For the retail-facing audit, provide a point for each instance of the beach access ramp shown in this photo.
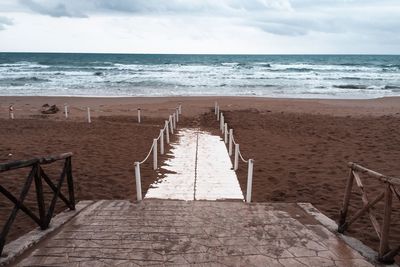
(188, 233)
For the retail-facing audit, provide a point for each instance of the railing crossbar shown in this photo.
(37, 173)
(54, 188)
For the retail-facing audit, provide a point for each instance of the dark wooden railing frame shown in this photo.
(385, 254)
(37, 174)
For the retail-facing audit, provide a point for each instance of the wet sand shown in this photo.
(300, 146)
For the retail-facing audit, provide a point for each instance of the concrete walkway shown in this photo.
(192, 233)
(199, 169)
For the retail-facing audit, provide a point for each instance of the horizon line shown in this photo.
(205, 54)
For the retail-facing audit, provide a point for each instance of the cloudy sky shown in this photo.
(201, 26)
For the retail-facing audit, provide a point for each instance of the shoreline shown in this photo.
(201, 96)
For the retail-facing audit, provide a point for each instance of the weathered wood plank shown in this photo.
(374, 174)
(365, 209)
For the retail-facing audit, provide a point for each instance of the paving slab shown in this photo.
(199, 169)
(192, 233)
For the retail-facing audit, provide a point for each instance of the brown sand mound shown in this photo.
(303, 158)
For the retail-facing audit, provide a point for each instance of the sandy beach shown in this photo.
(300, 146)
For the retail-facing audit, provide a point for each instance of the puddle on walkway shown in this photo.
(201, 170)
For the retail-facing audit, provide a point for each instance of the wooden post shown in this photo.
(384, 243)
(162, 141)
(236, 162)
(139, 120)
(217, 113)
(155, 154)
(346, 201)
(66, 111)
(230, 142)
(11, 112)
(39, 196)
(70, 183)
(226, 133)
(167, 132)
(249, 180)
(180, 108)
(177, 114)
(138, 182)
(171, 124)
(88, 115)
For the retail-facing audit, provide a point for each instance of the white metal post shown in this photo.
(226, 133)
(66, 110)
(180, 108)
(138, 182)
(11, 112)
(167, 132)
(171, 124)
(139, 119)
(177, 114)
(217, 113)
(174, 120)
(230, 141)
(88, 115)
(236, 162)
(162, 141)
(215, 107)
(222, 122)
(249, 180)
(155, 154)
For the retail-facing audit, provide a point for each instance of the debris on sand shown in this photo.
(47, 109)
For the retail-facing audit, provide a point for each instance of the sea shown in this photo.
(119, 75)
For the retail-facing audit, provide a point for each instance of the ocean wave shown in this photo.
(237, 65)
(20, 81)
(263, 64)
(350, 78)
(23, 65)
(396, 87)
(350, 86)
(397, 66)
(148, 83)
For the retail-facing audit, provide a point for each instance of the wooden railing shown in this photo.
(385, 253)
(37, 175)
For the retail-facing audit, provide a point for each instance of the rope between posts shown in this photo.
(148, 155)
(233, 140)
(240, 154)
(159, 136)
(152, 146)
(241, 157)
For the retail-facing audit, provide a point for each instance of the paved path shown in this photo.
(199, 169)
(196, 233)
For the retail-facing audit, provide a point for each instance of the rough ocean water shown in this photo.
(302, 76)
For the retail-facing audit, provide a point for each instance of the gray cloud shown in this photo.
(5, 22)
(53, 10)
(278, 17)
(74, 8)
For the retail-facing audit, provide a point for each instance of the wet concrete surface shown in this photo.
(193, 233)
